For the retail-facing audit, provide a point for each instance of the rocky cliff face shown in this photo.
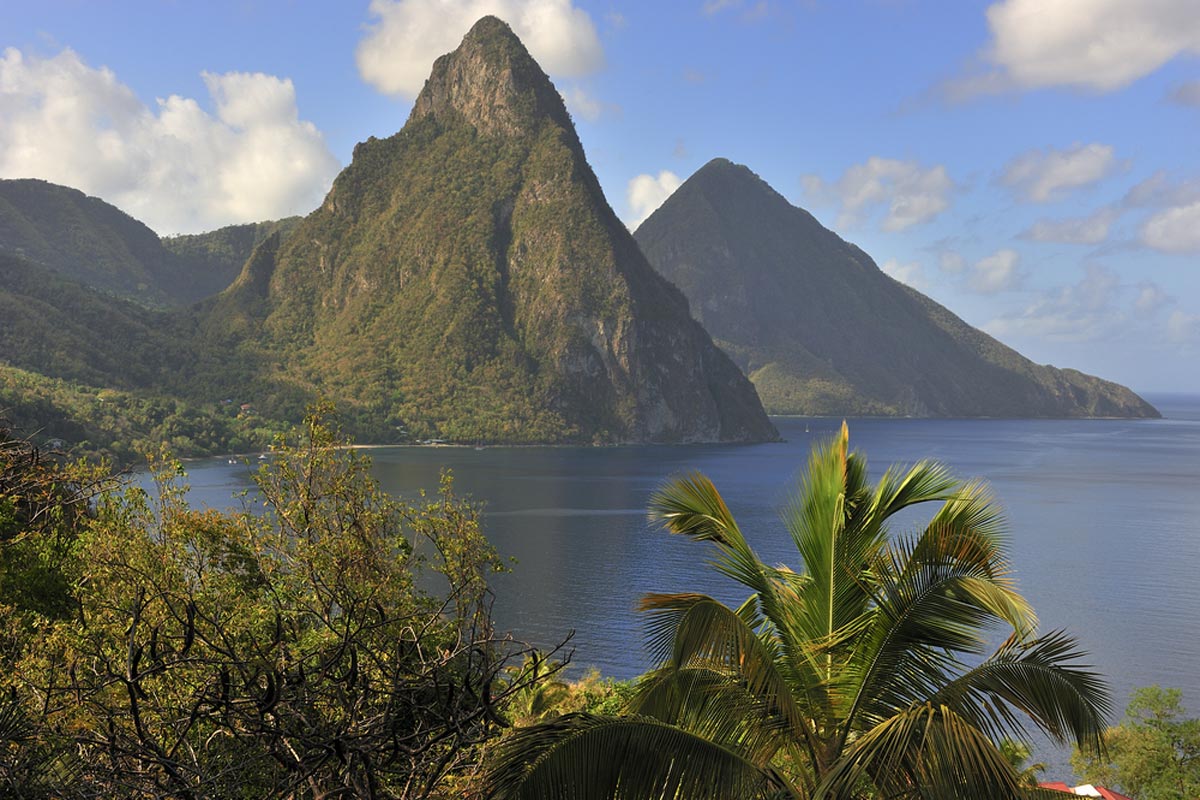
(821, 330)
(467, 280)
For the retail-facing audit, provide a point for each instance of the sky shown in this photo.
(1033, 165)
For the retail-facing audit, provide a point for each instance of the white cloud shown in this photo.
(1100, 45)
(1091, 229)
(913, 194)
(996, 273)
(175, 166)
(585, 106)
(1160, 191)
(1174, 230)
(406, 36)
(911, 273)
(647, 192)
(1174, 227)
(951, 261)
(1081, 312)
(1150, 298)
(1041, 176)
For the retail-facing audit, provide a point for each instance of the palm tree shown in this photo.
(1018, 754)
(867, 674)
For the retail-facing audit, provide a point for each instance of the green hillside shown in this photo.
(215, 258)
(467, 280)
(86, 240)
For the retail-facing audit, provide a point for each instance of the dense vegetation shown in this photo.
(214, 259)
(293, 650)
(86, 240)
(465, 279)
(1154, 754)
(870, 674)
(122, 427)
(820, 329)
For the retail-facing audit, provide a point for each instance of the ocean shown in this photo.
(1104, 526)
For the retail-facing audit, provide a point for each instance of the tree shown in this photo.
(867, 674)
(44, 501)
(1154, 754)
(292, 650)
(1018, 753)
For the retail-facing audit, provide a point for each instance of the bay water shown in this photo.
(1104, 526)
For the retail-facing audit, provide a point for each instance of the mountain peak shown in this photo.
(822, 330)
(720, 176)
(492, 82)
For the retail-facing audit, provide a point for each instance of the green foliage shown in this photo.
(868, 674)
(1018, 753)
(1153, 755)
(464, 280)
(121, 427)
(44, 502)
(212, 260)
(553, 698)
(88, 241)
(85, 239)
(293, 649)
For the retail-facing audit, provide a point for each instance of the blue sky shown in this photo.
(1031, 164)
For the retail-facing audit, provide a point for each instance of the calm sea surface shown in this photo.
(1104, 517)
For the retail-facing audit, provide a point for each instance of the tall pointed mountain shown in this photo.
(820, 329)
(466, 279)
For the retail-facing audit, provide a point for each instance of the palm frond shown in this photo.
(1041, 679)
(926, 751)
(694, 630)
(825, 523)
(709, 703)
(691, 506)
(924, 482)
(586, 757)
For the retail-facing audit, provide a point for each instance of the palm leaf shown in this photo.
(586, 757)
(926, 610)
(1044, 681)
(694, 630)
(827, 522)
(708, 703)
(899, 488)
(691, 506)
(926, 751)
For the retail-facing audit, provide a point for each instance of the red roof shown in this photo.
(1057, 786)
